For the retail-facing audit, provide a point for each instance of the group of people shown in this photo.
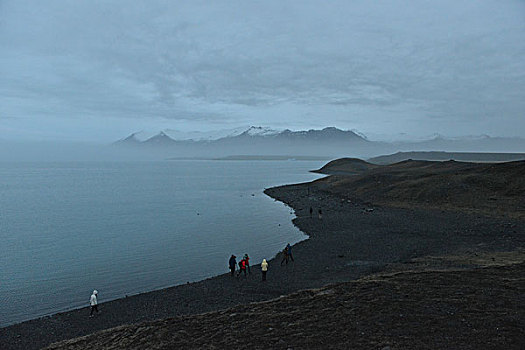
(244, 265)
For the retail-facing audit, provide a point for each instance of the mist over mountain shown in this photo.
(483, 143)
(330, 142)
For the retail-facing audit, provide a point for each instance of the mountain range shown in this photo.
(330, 142)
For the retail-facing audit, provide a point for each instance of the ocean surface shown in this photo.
(129, 227)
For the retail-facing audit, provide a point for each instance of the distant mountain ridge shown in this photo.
(254, 140)
(252, 131)
(177, 135)
(326, 142)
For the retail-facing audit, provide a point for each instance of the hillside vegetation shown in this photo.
(407, 310)
(481, 157)
(490, 188)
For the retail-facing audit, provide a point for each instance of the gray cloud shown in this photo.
(392, 66)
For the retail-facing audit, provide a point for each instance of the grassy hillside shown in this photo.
(491, 188)
(442, 156)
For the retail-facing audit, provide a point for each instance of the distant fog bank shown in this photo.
(67, 151)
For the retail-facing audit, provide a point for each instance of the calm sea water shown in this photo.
(125, 228)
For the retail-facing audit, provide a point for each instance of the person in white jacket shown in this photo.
(264, 269)
(93, 302)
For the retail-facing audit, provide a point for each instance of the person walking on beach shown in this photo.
(242, 267)
(320, 212)
(264, 269)
(289, 251)
(232, 264)
(247, 259)
(93, 302)
(285, 256)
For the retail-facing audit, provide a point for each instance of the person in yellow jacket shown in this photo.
(264, 268)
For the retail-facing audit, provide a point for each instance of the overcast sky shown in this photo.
(99, 70)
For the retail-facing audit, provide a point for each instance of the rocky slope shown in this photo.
(467, 309)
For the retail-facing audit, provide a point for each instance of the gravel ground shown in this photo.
(467, 309)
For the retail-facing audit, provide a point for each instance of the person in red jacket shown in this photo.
(247, 259)
(242, 267)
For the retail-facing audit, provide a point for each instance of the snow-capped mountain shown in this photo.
(203, 135)
(161, 139)
(251, 140)
(330, 142)
(260, 131)
(177, 135)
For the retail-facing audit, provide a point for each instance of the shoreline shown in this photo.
(187, 281)
(351, 241)
(16, 336)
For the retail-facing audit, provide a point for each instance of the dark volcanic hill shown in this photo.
(346, 166)
(491, 188)
(441, 156)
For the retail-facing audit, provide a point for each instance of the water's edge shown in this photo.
(194, 282)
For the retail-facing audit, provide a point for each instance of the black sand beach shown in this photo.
(352, 240)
